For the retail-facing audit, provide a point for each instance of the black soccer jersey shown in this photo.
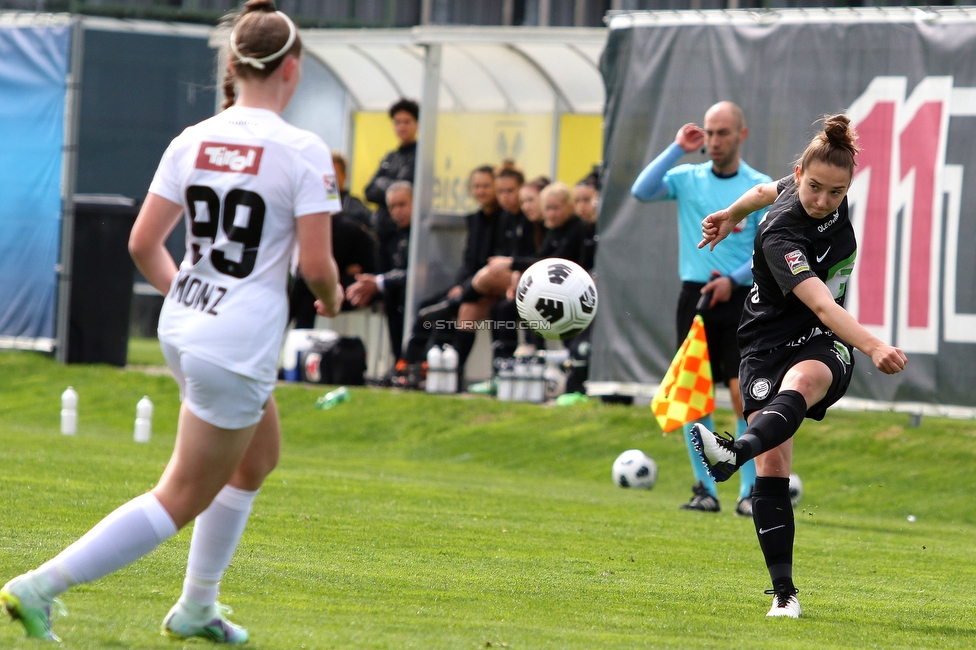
(790, 247)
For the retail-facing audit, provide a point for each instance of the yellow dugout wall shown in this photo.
(468, 140)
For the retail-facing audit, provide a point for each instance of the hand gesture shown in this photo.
(888, 359)
(720, 288)
(330, 310)
(690, 137)
(513, 285)
(361, 292)
(715, 228)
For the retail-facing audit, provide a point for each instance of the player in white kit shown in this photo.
(248, 185)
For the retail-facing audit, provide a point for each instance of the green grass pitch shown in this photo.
(405, 520)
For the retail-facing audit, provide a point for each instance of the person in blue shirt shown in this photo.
(701, 189)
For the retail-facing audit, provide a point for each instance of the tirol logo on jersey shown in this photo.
(236, 158)
(797, 262)
(331, 187)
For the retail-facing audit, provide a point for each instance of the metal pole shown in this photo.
(543, 13)
(69, 174)
(425, 11)
(508, 12)
(579, 13)
(423, 186)
(557, 117)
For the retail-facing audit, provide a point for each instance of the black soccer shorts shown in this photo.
(761, 373)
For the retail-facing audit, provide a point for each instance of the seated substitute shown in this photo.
(352, 207)
(390, 284)
(526, 233)
(564, 238)
(438, 316)
(354, 249)
(586, 198)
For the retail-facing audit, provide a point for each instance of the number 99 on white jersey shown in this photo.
(243, 177)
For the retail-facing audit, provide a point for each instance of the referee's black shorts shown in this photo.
(721, 327)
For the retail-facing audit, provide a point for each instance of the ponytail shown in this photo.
(260, 40)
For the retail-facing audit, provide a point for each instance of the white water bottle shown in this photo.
(449, 364)
(69, 412)
(504, 373)
(435, 370)
(521, 390)
(144, 413)
(537, 382)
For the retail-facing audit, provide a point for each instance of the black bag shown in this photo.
(342, 361)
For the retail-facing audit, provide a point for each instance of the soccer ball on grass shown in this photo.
(557, 298)
(634, 469)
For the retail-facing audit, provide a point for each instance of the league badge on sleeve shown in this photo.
(331, 187)
(797, 262)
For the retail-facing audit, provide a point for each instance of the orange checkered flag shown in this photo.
(686, 394)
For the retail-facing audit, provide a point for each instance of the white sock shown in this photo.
(131, 531)
(216, 533)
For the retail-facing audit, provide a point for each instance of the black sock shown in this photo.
(772, 513)
(772, 425)
(463, 342)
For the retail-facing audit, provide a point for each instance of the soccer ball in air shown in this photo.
(635, 469)
(556, 298)
(796, 489)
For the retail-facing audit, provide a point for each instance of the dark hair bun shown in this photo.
(258, 5)
(837, 129)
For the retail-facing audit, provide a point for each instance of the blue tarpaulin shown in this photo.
(33, 83)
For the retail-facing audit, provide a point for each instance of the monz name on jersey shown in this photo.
(194, 293)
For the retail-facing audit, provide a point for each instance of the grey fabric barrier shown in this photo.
(910, 87)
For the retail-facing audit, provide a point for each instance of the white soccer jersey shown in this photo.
(242, 176)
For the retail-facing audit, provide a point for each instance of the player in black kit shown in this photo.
(795, 337)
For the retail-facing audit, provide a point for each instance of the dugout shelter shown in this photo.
(534, 95)
(117, 91)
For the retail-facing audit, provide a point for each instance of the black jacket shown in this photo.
(352, 244)
(486, 238)
(519, 235)
(394, 253)
(588, 259)
(566, 242)
(353, 209)
(396, 166)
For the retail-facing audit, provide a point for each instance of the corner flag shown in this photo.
(686, 393)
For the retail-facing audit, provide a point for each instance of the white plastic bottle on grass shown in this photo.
(69, 412)
(537, 381)
(144, 413)
(520, 392)
(506, 378)
(449, 365)
(435, 373)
